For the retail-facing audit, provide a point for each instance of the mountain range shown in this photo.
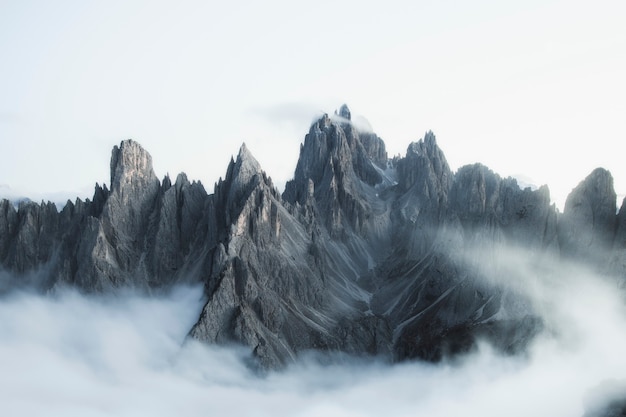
(397, 258)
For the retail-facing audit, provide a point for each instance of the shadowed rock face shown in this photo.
(588, 225)
(360, 254)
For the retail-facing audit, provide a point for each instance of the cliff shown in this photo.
(360, 254)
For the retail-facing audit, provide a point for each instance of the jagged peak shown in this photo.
(344, 112)
(100, 195)
(166, 183)
(427, 143)
(320, 124)
(476, 167)
(181, 179)
(588, 223)
(130, 160)
(601, 174)
(245, 156)
(424, 159)
(245, 167)
(429, 138)
(241, 171)
(182, 182)
(597, 186)
(600, 179)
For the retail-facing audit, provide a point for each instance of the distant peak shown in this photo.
(244, 152)
(601, 174)
(344, 112)
(429, 138)
(245, 157)
(598, 184)
(429, 142)
(129, 145)
(245, 167)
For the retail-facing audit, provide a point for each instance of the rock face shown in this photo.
(588, 225)
(137, 234)
(360, 254)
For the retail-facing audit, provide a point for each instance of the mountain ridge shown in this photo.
(361, 253)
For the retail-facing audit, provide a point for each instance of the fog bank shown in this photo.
(75, 355)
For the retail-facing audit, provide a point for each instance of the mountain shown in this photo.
(398, 258)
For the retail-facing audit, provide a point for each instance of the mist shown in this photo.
(126, 354)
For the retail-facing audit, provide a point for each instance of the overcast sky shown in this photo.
(533, 88)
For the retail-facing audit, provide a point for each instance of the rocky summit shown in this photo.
(362, 253)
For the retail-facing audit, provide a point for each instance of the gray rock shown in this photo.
(360, 254)
(344, 112)
(587, 227)
(135, 235)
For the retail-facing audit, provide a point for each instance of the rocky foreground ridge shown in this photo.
(361, 253)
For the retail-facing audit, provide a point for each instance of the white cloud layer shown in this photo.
(75, 355)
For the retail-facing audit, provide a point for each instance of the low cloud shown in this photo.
(73, 355)
(298, 115)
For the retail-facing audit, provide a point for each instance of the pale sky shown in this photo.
(532, 88)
